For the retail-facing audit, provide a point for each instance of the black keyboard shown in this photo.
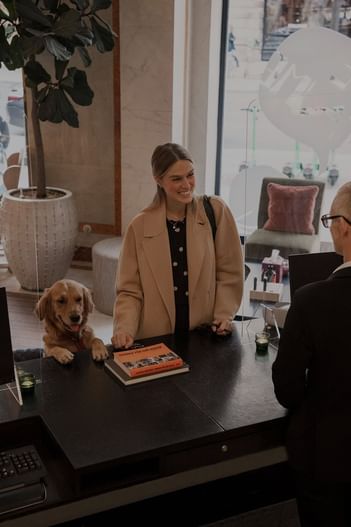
(20, 467)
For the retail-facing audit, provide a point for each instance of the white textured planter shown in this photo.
(39, 237)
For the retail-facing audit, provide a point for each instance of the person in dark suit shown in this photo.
(312, 378)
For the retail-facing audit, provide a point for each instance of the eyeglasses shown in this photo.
(326, 219)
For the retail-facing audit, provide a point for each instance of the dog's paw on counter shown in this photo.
(65, 307)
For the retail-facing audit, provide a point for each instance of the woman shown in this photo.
(171, 275)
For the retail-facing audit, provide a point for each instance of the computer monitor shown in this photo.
(7, 372)
(311, 267)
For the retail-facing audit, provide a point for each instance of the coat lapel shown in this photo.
(197, 239)
(158, 255)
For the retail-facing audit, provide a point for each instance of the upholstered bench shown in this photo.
(105, 258)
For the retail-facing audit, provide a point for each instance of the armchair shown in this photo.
(288, 218)
(11, 176)
(14, 159)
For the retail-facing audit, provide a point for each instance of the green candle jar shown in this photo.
(262, 341)
(27, 382)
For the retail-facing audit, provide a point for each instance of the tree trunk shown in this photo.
(39, 151)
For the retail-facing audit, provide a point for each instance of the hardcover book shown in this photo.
(145, 363)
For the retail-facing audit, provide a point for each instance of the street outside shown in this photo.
(254, 148)
(11, 84)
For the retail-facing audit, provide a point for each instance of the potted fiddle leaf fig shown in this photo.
(41, 37)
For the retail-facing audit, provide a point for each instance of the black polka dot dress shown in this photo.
(177, 242)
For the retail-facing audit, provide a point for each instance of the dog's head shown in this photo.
(65, 305)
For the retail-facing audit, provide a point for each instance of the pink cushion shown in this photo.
(291, 208)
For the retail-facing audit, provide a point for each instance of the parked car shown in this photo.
(15, 109)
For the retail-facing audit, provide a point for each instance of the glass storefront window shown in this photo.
(286, 131)
(12, 128)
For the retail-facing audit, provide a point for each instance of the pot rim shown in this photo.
(8, 195)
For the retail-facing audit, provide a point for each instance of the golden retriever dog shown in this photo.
(65, 307)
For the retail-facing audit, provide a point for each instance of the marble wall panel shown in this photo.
(90, 204)
(146, 13)
(198, 92)
(145, 127)
(146, 40)
(141, 186)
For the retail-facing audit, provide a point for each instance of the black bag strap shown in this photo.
(210, 214)
(212, 219)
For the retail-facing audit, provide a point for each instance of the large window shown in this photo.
(12, 125)
(286, 117)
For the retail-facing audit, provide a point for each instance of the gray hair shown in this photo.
(342, 200)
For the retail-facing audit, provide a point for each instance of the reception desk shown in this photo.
(105, 445)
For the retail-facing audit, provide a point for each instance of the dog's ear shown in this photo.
(43, 305)
(88, 301)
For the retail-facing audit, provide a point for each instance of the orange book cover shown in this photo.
(147, 360)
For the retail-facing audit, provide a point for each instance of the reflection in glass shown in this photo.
(12, 127)
(286, 117)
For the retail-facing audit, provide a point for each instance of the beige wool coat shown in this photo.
(145, 305)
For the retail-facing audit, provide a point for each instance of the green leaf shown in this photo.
(68, 112)
(4, 12)
(27, 10)
(84, 55)
(10, 54)
(49, 110)
(80, 92)
(32, 45)
(56, 108)
(62, 8)
(42, 93)
(81, 4)
(101, 4)
(8, 11)
(68, 24)
(3, 39)
(32, 31)
(60, 67)
(36, 73)
(57, 49)
(85, 37)
(67, 83)
(103, 37)
(51, 4)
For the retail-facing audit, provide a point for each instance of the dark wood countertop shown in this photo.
(172, 424)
